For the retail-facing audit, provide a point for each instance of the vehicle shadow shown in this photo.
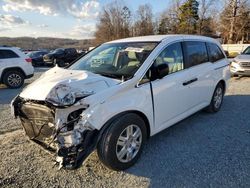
(204, 150)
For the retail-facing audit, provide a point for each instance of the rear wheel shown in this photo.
(13, 79)
(121, 144)
(217, 99)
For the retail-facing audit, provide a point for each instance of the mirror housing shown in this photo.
(159, 71)
(163, 70)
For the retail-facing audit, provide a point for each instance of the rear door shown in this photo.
(220, 62)
(8, 58)
(201, 82)
(2, 62)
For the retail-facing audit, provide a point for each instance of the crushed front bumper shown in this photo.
(40, 125)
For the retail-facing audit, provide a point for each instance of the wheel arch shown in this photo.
(223, 82)
(11, 69)
(139, 113)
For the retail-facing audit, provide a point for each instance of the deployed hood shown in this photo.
(76, 80)
(242, 58)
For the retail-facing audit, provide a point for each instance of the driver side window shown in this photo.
(171, 55)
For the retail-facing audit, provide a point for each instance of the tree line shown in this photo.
(29, 43)
(228, 20)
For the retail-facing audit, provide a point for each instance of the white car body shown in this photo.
(162, 102)
(15, 63)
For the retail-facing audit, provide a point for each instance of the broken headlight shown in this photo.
(64, 95)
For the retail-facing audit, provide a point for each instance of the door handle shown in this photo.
(190, 81)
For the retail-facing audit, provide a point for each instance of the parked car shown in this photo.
(241, 64)
(226, 53)
(114, 105)
(15, 66)
(37, 57)
(60, 57)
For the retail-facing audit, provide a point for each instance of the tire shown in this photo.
(217, 99)
(122, 155)
(61, 64)
(13, 79)
(234, 75)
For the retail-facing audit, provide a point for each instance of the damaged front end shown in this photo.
(63, 130)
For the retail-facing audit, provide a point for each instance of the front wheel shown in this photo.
(121, 144)
(217, 99)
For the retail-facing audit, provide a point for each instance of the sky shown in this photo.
(74, 19)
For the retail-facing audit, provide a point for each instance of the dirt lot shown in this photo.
(205, 150)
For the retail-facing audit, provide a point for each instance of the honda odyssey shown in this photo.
(121, 93)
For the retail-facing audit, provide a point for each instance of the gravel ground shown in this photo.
(204, 150)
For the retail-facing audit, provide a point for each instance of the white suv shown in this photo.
(114, 104)
(15, 66)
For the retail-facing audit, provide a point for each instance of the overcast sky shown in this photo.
(58, 18)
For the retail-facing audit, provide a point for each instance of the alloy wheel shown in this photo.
(14, 80)
(128, 143)
(218, 97)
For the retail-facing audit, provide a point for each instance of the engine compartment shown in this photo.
(71, 141)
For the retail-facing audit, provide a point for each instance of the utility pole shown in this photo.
(234, 4)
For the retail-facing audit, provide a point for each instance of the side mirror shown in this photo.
(162, 70)
(159, 71)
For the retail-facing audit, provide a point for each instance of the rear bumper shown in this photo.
(29, 76)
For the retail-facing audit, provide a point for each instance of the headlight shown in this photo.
(69, 99)
(64, 95)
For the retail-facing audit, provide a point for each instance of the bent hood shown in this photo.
(76, 79)
(242, 58)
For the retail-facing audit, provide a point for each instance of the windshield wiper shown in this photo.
(110, 75)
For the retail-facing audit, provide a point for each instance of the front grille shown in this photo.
(245, 64)
(38, 122)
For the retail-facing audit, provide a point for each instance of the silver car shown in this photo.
(241, 64)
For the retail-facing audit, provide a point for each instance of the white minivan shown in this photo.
(121, 93)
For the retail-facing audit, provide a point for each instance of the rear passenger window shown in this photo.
(215, 52)
(5, 54)
(196, 53)
(172, 55)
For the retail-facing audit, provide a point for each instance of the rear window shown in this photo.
(195, 53)
(215, 53)
(5, 54)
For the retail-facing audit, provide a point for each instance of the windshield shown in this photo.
(115, 60)
(59, 50)
(247, 51)
(31, 54)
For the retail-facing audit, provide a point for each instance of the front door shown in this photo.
(171, 96)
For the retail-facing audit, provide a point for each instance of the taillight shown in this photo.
(28, 60)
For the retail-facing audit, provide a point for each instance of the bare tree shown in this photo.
(205, 17)
(144, 22)
(114, 23)
(235, 21)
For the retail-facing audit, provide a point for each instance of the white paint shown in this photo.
(173, 101)
(77, 80)
(19, 62)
